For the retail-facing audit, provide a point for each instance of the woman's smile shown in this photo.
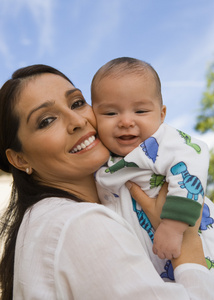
(65, 141)
(84, 143)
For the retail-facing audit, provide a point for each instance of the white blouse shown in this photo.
(67, 250)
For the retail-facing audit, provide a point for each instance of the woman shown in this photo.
(68, 246)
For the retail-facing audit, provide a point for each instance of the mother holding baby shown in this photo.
(59, 241)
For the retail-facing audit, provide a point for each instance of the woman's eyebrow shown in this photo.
(69, 92)
(43, 105)
(51, 103)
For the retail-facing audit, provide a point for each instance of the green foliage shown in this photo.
(205, 122)
(210, 182)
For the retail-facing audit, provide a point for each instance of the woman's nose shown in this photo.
(75, 121)
(126, 121)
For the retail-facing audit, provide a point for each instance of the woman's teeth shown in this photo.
(83, 145)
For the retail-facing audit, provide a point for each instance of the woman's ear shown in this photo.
(16, 159)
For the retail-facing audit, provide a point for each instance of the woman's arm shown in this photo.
(151, 206)
(192, 250)
(100, 257)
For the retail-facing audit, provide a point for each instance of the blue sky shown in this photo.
(78, 36)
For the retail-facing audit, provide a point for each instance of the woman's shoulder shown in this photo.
(63, 210)
(56, 227)
(53, 220)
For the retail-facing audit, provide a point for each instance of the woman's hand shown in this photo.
(151, 206)
(191, 249)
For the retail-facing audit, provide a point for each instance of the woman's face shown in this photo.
(57, 131)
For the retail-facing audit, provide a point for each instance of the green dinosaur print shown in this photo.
(156, 180)
(210, 263)
(120, 165)
(188, 141)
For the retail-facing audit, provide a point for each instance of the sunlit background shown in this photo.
(78, 36)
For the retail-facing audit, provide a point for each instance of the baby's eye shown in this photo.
(110, 113)
(78, 103)
(45, 122)
(140, 111)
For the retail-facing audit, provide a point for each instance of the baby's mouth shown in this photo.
(83, 145)
(126, 137)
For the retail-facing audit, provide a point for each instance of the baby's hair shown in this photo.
(123, 66)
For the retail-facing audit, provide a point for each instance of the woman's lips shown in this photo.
(83, 144)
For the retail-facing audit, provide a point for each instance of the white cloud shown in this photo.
(42, 16)
(105, 21)
(193, 49)
(4, 50)
(42, 12)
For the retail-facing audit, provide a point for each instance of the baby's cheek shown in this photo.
(91, 117)
(105, 139)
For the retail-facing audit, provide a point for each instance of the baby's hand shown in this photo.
(168, 238)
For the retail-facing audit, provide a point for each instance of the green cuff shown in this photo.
(181, 209)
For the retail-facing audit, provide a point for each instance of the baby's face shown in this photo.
(127, 111)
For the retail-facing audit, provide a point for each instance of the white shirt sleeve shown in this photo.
(193, 277)
(99, 257)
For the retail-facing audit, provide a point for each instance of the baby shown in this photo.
(127, 102)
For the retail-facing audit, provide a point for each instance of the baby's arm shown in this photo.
(168, 238)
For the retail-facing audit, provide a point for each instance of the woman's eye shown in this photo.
(78, 103)
(45, 122)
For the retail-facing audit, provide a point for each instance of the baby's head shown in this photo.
(127, 101)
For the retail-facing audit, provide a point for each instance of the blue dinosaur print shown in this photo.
(190, 182)
(169, 271)
(206, 220)
(143, 220)
(115, 195)
(150, 147)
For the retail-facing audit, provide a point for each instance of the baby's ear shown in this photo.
(163, 113)
(16, 159)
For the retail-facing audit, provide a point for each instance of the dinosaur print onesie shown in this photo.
(168, 155)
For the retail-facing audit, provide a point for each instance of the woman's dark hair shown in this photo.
(26, 191)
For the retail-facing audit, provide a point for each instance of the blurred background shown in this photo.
(78, 36)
